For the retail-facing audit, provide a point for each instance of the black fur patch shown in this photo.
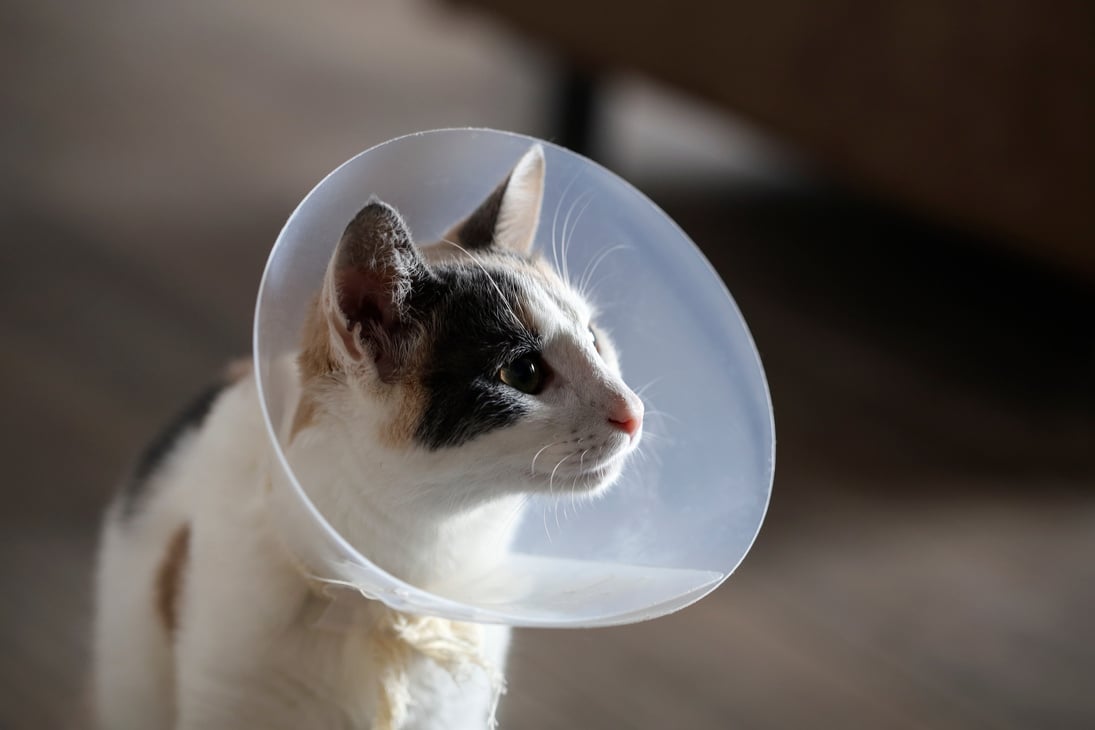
(191, 418)
(473, 334)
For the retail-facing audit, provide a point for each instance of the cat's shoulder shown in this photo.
(186, 421)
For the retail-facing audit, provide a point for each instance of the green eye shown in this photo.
(526, 374)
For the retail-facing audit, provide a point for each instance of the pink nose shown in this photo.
(627, 415)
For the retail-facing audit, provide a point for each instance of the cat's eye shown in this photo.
(596, 343)
(526, 374)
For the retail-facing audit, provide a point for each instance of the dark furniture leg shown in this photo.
(576, 112)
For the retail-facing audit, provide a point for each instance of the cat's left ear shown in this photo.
(508, 218)
(374, 282)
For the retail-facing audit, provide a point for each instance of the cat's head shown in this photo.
(468, 361)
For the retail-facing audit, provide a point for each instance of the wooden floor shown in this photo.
(927, 559)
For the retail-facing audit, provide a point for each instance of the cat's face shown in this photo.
(478, 365)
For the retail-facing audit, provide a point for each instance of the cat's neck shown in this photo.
(397, 516)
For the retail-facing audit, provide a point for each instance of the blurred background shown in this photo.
(898, 196)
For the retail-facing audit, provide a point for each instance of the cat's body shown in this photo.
(439, 386)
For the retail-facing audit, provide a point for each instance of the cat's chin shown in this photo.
(599, 484)
(588, 482)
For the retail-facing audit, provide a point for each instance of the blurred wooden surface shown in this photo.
(926, 561)
(979, 113)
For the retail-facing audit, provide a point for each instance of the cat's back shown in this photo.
(209, 453)
(219, 429)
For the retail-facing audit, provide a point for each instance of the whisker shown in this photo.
(655, 437)
(568, 238)
(662, 414)
(505, 302)
(653, 455)
(596, 281)
(574, 484)
(516, 512)
(591, 267)
(555, 220)
(649, 385)
(532, 469)
(563, 239)
(520, 506)
(551, 487)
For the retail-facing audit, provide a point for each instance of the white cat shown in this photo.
(440, 386)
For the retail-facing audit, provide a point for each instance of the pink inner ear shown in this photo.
(364, 297)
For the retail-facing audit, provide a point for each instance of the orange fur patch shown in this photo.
(407, 401)
(316, 358)
(238, 369)
(169, 578)
(316, 362)
(400, 430)
(305, 415)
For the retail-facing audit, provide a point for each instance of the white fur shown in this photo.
(248, 652)
(520, 210)
(251, 650)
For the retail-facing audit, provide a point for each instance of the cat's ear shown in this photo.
(373, 279)
(509, 216)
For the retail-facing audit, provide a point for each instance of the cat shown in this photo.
(441, 385)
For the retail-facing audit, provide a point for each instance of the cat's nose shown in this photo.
(626, 414)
